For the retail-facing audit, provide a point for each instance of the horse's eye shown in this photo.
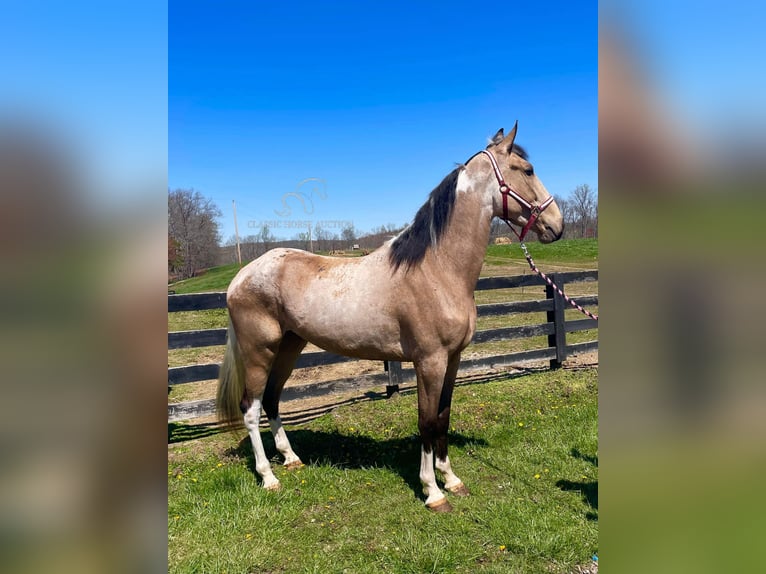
(529, 171)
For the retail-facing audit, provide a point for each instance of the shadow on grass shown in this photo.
(183, 431)
(588, 490)
(321, 448)
(180, 432)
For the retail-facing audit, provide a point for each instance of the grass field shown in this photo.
(567, 251)
(525, 446)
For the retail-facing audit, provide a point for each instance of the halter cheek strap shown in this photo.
(505, 190)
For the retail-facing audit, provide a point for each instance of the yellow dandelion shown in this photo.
(194, 480)
(303, 481)
(537, 476)
(219, 465)
(248, 536)
(521, 424)
(545, 470)
(502, 547)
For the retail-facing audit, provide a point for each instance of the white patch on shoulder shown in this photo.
(464, 181)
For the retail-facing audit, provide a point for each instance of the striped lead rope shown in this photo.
(547, 279)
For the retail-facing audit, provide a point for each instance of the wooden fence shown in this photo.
(555, 327)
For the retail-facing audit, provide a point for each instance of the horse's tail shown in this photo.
(231, 383)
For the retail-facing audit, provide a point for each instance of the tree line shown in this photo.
(193, 234)
(194, 241)
(579, 210)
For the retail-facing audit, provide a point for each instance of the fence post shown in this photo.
(559, 337)
(394, 369)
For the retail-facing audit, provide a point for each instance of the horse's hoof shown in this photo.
(459, 490)
(293, 465)
(442, 505)
(273, 487)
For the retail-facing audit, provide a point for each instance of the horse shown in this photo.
(412, 299)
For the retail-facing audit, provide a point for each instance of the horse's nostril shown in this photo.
(556, 234)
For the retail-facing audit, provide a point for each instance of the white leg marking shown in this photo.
(450, 480)
(283, 445)
(428, 478)
(262, 465)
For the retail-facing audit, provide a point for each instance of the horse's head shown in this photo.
(518, 195)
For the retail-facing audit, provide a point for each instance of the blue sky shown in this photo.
(93, 77)
(377, 100)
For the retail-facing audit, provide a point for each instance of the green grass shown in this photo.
(526, 447)
(577, 251)
(214, 279)
(205, 319)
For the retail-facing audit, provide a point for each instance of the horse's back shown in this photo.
(286, 276)
(340, 304)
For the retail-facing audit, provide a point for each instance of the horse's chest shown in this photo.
(456, 321)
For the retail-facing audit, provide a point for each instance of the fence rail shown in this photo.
(555, 328)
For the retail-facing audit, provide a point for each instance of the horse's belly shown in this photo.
(348, 326)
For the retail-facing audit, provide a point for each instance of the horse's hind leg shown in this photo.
(255, 377)
(259, 341)
(289, 350)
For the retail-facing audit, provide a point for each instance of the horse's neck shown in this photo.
(460, 252)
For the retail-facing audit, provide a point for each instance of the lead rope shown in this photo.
(547, 279)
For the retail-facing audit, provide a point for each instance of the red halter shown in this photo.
(505, 191)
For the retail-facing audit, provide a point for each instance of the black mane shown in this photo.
(410, 247)
(521, 152)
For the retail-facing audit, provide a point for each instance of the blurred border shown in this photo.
(681, 181)
(83, 181)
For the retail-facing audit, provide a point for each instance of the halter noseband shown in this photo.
(505, 191)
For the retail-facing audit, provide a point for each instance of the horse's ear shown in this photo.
(508, 141)
(497, 138)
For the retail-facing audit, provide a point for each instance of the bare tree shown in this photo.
(192, 223)
(304, 238)
(228, 250)
(175, 260)
(565, 207)
(320, 237)
(348, 235)
(584, 208)
(265, 239)
(249, 247)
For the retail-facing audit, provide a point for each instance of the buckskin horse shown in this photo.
(410, 300)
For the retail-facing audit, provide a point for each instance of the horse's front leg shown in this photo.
(451, 482)
(436, 377)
